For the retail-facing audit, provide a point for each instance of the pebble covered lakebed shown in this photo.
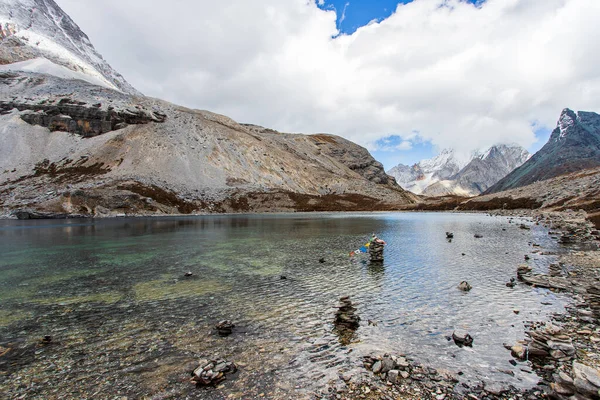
(103, 309)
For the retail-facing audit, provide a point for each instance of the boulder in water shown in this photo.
(462, 338)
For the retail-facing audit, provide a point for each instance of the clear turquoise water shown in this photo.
(113, 296)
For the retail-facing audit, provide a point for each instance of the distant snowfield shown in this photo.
(45, 66)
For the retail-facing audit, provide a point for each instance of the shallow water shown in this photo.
(124, 320)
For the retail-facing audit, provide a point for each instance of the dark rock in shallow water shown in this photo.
(465, 286)
(462, 338)
(449, 235)
(46, 339)
(225, 328)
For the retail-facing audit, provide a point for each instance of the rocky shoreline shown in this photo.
(565, 353)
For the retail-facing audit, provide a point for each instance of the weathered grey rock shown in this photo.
(589, 374)
(392, 375)
(464, 286)
(387, 364)
(402, 362)
(404, 374)
(565, 347)
(377, 367)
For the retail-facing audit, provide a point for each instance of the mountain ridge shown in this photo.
(573, 145)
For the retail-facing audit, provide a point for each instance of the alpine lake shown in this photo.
(123, 320)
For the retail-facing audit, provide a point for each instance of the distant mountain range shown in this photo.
(447, 174)
(574, 145)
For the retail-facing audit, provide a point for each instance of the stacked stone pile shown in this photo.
(212, 372)
(376, 251)
(346, 320)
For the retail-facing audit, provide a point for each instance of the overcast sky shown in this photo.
(441, 73)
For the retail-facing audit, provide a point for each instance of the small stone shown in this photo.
(561, 389)
(464, 286)
(377, 367)
(518, 351)
(404, 374)
(392, 375)
(387, 364)
(402, 362)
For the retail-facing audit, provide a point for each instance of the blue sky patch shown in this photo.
(352, 14)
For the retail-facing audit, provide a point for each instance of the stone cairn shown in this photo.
(376, 251)
(346, 321)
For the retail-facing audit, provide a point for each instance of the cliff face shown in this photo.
(573, 146)
(72, 147)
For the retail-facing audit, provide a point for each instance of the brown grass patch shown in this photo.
(161, 196)
(500, 203)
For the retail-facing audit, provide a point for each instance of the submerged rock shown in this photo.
(346, 321)
(225, 327)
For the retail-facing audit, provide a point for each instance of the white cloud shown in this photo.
(460, 75)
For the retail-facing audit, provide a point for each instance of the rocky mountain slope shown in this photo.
(38, 36)
(574, 145)
(75, 148)
(446, 174)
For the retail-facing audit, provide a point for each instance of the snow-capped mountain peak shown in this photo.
(449, 174)
(40, 29)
